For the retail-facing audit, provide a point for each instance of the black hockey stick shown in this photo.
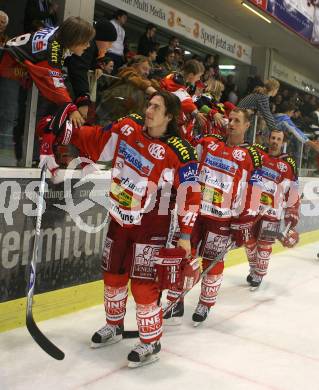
(131, 334)
(33, 329)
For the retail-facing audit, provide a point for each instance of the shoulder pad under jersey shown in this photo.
(184, 151)
(292, 162)
(135, 117)
(255, 156)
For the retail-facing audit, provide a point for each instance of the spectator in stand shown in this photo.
(128, 94)
(173, 43)
(116, 52)
(79, 65)
(252, 83)
(285, 123)
(212, 62)
(168, 66)
(40, 14)
(147, 40)
(230, 93)
(179, 59)
(4, 20)
(107, 65)
(258, 101)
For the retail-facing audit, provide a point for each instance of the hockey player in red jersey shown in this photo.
(227, 174)
(150, 166)
(280, 200)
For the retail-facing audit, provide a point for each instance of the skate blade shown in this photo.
(196, 324)
(110, 342)
(149, 360)
(173, 321)
(254, 288)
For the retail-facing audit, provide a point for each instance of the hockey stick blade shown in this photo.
(42, 341)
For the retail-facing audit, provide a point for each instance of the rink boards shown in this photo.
(73, 230)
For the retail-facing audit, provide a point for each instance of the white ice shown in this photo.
(267, 339)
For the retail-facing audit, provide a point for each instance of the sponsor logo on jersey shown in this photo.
(40, 39)
(54, 73)
(55, 49)
(221, 164)
(135, 159)
(282, 166)
(123, 197)
(266, 199)
(269, 173)
(211, 209)
(129, 179)
(216, 179)
(239, 154)
(157, 151)
(255, 156)
(58, 82)
(212, 195)
(184, 151)
(188, 173)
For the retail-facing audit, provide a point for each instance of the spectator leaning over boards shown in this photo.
(259, 101)
(178, 84)
(116, 52)
(147, 40)
(4, 20)
(127, 94)
(43, 53)
(150, 162)
(40, 14)
(79, 65)
(285, 124)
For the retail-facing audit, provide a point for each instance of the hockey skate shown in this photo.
(143, 354)
(249, 279)
(107, 335)
(254, 285)
(200, 314)
(175, 315)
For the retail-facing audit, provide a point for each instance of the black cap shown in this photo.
(105, 31)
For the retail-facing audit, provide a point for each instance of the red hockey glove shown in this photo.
(241, 232)
(190, 274)
(168, 267)
(292, 217)
(290, 239)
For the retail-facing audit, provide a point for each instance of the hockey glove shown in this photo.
(290, 239)
(292, 217)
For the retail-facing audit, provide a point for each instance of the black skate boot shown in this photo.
(200, 314)
(143, 354)
(254, 285)
(249, 279)
(174, 316)
(107, 335)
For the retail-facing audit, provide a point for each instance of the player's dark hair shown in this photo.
(172, 107)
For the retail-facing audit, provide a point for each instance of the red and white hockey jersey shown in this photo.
(280, 184)
(146, 172)
(228, 175)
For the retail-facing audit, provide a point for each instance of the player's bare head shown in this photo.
(75, 31)
(239, 122)
(162, 113)
(276, 141)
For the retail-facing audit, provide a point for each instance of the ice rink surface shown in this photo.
(267, 339)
